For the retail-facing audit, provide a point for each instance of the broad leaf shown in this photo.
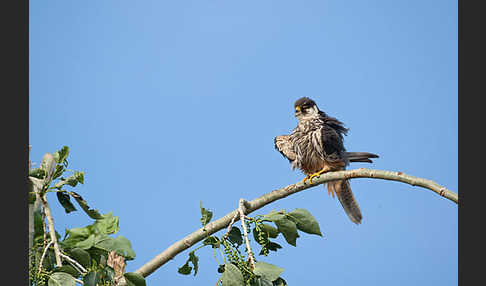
(92, 213)
(65, 201)
(38, 223)
(194, 260)
(275, 215)
(120, 245)
(279, 282)
(273, 246)
(270, 230)
(232, 276)
(92, 278)
(185, 269)
(61, 155)
(61, 279)
(58, 172)
(134, 279)
(206, 215)
(289, 230)
(107, 224)
(68, 269)
(87, 243)
(305, 221)
(72, 180)
(235, 236)
(81, 256)
(267, 271)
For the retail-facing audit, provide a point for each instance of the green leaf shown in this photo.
(38, 173)
(273, 246)
(275, 215)
(81, 256)
(61, 279)
(107, 224)
(65, 201)
(58, 172)
(73, 180)
(75, 235)
(92, 278)
(288, 228)
(134, 279)
(213, 241)
(79, 176)
(38, 223)
(67, 269)
(92, 213)
(232, 276)
(120, 245)
(194, 260)
(270, 230)
(108, 274)
(262, 282)
(61, 155)
(185, 269)
(267, 271)
(305, 221)
(87, 243)
(279, 282)
(235, 236)
(206, 215)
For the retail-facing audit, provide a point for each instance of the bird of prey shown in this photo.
(315, 146)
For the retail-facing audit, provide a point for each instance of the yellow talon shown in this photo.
(318, 174)
(306, 178)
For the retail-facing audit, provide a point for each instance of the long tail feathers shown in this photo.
(346, 198)
(360, 156)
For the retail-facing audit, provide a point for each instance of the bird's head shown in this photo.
(305, 107)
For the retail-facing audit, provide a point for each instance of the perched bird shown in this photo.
(315, 146)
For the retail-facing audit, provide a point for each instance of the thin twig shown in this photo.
(228, 229)
(268, 198)
(42, 257)
(242, 210)
(74, 263)
(52, 231)
(79, 281)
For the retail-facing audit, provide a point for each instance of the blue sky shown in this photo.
(168, 103)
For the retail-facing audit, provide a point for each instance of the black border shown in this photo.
(15, 140)
(471, 188)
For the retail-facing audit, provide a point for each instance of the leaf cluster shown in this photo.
(88, 246)
(236, 269)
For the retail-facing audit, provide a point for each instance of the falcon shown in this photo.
(316, 146)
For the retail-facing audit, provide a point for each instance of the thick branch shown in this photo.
(268, 198)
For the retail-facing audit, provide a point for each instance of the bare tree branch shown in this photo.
(268, 198)
(43, 255)
(74, 263)
(242, 212)
(52, 230)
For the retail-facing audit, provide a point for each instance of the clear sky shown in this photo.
(168, 103)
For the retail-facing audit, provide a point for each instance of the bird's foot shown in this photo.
(305, 179)
(318, 174)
